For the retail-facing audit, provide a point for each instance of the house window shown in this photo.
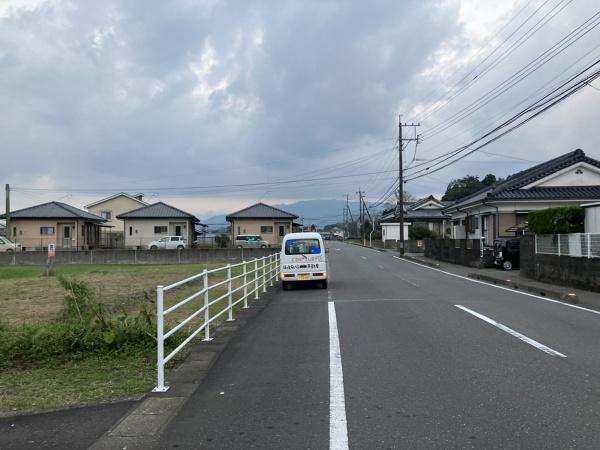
(472, 224)
(47, 231)
(14, 231)
(266, 229)
(106, 215)
(160, 229)
(130, 231)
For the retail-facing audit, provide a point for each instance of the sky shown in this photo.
(214, 105)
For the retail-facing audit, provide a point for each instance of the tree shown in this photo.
(418, 233)
(406, 196)
(566, 219)
(462, 187)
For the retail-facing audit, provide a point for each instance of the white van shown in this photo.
(303, 259)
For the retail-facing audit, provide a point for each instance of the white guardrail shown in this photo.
(582, 245)
(263, 271)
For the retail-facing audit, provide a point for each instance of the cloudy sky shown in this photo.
(211, 105)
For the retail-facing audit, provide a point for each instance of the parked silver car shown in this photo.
(250, 241)
(8, 246)
(169, 242)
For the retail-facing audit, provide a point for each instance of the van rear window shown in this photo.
(302, 247)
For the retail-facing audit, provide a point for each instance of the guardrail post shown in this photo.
(206, 307)
(271, 269)
(255, 278)
(264, 274)
(245, 285)
(559, 245)
(160, 342)
(229, 297)
(535, 243)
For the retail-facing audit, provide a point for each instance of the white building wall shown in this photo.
(140, 232)
(391, 231)
(592, 219)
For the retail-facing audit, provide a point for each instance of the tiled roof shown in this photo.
(157, 210)
(131, 197)
(555, 193)
(54, 210)
(511, 188)
(261, 211)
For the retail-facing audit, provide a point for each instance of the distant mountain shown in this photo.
(318, 212)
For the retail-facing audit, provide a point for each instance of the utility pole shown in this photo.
(366, 209)
(400, 204)
(361, 219)
(8, 228)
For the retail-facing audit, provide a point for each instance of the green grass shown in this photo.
(13, 272)
(30, 299)
(76, 382)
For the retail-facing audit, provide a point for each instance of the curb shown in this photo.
(143, 424)
(569, 297)
(420, 261)
(382, 250)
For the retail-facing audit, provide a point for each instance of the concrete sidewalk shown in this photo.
(513, 278)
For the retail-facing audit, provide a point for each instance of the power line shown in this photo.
(541, 60)
(541, 106)
(423, 115)
(520, 41)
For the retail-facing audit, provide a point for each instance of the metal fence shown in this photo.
(582, 245)
(254, 276)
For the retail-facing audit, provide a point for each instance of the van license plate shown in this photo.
(304, 276)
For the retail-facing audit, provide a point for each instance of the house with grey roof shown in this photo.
(271, 223)
(500, 211)
(55, 223)
(109, 208)
(427, 212)
(151, 222)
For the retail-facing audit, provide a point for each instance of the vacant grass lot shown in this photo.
(28, 296)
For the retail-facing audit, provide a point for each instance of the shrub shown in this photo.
(222, 240)
(557, 220)
(418, 233)
(84, 329)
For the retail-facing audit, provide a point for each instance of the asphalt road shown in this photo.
(412, 370)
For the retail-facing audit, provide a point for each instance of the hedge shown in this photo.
(568, 219)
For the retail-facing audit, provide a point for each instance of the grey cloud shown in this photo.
(100, 94)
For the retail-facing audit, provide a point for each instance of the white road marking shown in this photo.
(405, 280)
(353, 300)
(512, 332)
(500, 287)
(381, 267)
(338, 428)
(363, 257)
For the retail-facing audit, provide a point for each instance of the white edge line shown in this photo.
(499, 287)
(514, 333)
(338, 428)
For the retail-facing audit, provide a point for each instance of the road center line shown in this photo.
(363, 257)
(512, 332)
(499, 287)
(338, 428)
(405, 280)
